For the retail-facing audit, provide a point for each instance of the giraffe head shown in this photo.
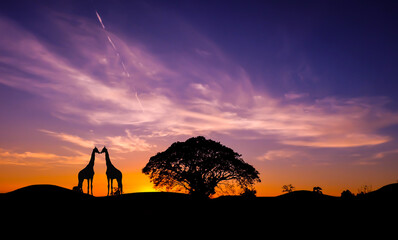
(96, 150)
(104, 150)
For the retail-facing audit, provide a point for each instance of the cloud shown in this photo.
(294, 96)
(202, 53)
(70, 138)
(280, 154)
(129, 143)
(340, 140)
(374, 157)
(40, 159)
(121, 144)
(181, 94)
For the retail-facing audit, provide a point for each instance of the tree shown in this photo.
(317, 189)
(197, 166)
(347, 194)
(287, 188)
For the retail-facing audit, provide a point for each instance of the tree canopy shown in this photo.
(198, 166)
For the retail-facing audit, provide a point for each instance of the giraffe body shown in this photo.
(87, 173)
(112, 173)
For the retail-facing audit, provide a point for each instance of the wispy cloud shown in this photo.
(194, 96)
(129, 143)
(39, 159)
(70, 138)
(340, 140)
(280, 154)
(121, 144)
(294, 96)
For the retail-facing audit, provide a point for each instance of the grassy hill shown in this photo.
(303, 195)
(44, 192)
(148, 196)
(386, 193)
(53, 193)
(56, 202)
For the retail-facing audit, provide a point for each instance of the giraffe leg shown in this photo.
(92, 186)
(120, 185)
(112, 186)
(108, 186)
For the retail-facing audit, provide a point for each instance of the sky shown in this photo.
(304, 90)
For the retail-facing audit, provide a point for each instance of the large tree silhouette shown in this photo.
(198, 165)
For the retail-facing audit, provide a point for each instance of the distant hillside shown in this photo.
(388, 192)
(149, 196)
(53, 203)
(44, 192)
(304, 195)
(53, 193)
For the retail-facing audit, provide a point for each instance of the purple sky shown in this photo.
(306, 92)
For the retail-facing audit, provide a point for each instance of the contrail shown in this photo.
(118, 54)
(111, 42)
(100, 20)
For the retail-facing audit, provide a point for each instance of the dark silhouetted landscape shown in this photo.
(51, 193)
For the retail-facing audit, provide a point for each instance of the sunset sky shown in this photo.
(306, 91)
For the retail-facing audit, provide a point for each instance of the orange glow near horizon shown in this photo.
(135, 181)
(39, 168)
(132, 182)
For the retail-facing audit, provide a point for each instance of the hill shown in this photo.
(55, 201)
(44, 192)
(386, 193)
(148, 196)
(304, 195)
(53, 193)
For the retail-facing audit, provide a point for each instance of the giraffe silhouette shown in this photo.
(87, 173)
(112, 173)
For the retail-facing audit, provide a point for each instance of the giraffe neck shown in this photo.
(91, 163)
(108, 160)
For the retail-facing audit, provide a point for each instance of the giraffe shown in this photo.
(87, 173)
(112, 173)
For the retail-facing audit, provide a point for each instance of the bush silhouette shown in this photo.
(347, 194)
(288, 188)
(317, 190)
(197, 166)
(249, 193)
